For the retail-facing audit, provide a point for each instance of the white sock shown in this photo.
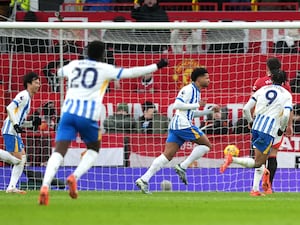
(246, 162)
(53, 164)
(86, 163)
(257, 177)
(16, 173)
(156, 165)
(197, 153)
(9, 158)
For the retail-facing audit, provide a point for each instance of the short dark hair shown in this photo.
(29, 77)
(148, 105)
(273, 63)
(198, 72)
(278, 76)
(96, 50)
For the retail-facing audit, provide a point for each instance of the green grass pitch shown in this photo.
(159, 208)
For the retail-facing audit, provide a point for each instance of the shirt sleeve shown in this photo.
(247, 108)
(182, 100)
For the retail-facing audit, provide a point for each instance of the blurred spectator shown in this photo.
(46, 116)
(295, 83)
(296, 119)
(239, 8)
(241, 126)
(23, 5)
(186, 41)
(152, 122)
(217, 123)
(146, 84)
(44, 120)
(121, 121)
(150, 11)
(49, 117)
(50, 72)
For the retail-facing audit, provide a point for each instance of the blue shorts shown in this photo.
(13, 143)
(70, 124)
(181, 136)
(263, 142)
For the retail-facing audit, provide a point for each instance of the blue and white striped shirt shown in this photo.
(22, 108)
(87, 83)
(183, 118)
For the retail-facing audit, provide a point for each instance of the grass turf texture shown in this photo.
(160, 208)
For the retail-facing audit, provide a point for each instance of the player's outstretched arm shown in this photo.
(143, 70)
(185, 106)
(199, 113)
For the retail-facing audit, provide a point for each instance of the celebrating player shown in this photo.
(267, 181)
(181, 129)
(272, 105)
(87, 83)
(17, 112)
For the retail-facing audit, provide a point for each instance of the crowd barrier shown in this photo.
(139, 150)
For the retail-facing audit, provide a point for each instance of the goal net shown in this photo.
(235, 55)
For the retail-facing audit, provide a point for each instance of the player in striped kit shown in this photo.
(273, 105)
(273, 63)
(181, 129)
(17, 112)
(87, 83)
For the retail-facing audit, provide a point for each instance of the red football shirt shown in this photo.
(263, 81)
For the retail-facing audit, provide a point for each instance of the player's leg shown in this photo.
(203, 146)
(262, 143)
(170, 149)
(9, 157)
(195, 135)
(260, 158)
(15, 147)
(268, 177)
(257, 178)
(91, 135)
(173, 144)
(269, 174)
(65, 133)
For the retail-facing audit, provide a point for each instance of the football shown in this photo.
(166, 185)
(232, 150)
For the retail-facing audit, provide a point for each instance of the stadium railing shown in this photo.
(268, 6)
(169, 6)
(184, 6)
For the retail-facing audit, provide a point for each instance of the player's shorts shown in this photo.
(183, 135)
(13, 143)
(261, 141)
(70, 124)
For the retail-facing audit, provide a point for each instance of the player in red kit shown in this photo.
(268, 175)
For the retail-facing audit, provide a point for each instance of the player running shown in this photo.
(87, 83)
(272, 105)
(12, 128)
(181, 129)
(269, 173)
